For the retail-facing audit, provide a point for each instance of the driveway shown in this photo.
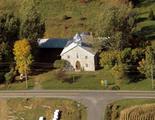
(94, 100)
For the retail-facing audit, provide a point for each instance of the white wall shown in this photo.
(81, 58)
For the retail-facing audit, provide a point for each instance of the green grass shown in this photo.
(77, 81)
(18, 85)
(82, 80)
(88, 81)
(141, 85)
(33, 108)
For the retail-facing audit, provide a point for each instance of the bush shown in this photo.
(118, 71)
(110, 58)
(9, 77)
(112, 112)
(2, 79)
(114, 87)
(61, 75)
(108, 112)
(60, 64)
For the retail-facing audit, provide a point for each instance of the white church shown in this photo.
(80, 55)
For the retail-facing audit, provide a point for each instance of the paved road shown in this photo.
(94, 100)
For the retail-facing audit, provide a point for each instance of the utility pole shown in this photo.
(152, 71)
(152, 76)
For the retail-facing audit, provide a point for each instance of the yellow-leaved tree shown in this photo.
(23, 57)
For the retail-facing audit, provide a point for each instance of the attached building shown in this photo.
(50, 49)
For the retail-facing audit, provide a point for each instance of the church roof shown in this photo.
(52, 43)
(78, 40)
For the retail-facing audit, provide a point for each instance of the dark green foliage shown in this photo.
(9, 31)
(32, 27)
(112, 112)
(151, 15)
(114, 87)
(60, 64)
(9, 27)
(9, 77)
(2, 79)
(108, 112)
(5, 52)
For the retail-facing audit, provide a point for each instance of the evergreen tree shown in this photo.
(32, 27)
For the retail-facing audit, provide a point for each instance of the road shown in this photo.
(94, 100)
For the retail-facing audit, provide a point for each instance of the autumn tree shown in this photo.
(145, 65)
(23, 57)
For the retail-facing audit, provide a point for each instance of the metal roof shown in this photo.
(52, 43)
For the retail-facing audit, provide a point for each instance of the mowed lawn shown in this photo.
(77, 81)
(88, 81)
(33, 108)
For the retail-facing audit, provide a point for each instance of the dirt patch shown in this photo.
(3, 109)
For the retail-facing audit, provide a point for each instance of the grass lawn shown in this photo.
(18, 85)
(77, 81)
(116, 107)
(82, 80)
(87, 81)
(33, 108)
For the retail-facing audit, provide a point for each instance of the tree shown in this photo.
(9, 32)
(23, 57)
(116, 23)
(145, 65)
(9, 27)
(32, 27)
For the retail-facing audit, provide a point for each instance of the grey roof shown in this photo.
(52, 43)
(83, 43)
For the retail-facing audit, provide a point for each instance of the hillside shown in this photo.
(145, 26)
(66, 17)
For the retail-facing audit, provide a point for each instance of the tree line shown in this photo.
(18, 37)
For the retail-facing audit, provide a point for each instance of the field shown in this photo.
(32, 109)
(115, 108)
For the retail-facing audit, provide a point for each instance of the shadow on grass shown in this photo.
(148, 32)
(146, 3)
(72, 79)
(141, 19)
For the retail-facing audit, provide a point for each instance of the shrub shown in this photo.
(60, 64)
(114, 87)
(118, 71)
(111, 112)
(2, 79)
(109, 58)
(9, 77)
(61, 75)
(108, 112)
